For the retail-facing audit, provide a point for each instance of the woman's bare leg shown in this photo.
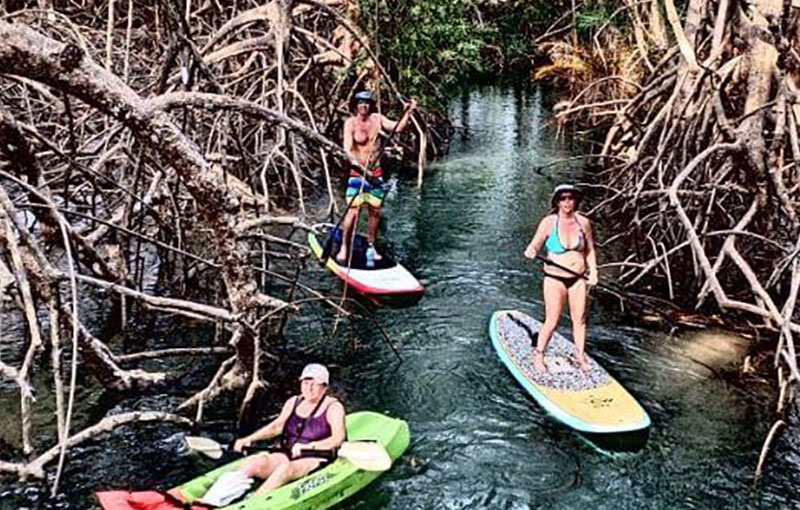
(577, 312)
(554, 296)
(262, 466)
(287, 472)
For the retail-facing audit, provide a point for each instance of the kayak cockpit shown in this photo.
(320, 489)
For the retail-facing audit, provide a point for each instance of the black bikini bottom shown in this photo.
(568, 281)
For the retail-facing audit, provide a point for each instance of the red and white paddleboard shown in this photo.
(387, 282)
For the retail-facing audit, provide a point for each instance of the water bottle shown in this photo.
(370, 256)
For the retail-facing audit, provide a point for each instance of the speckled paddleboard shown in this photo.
(590, 401)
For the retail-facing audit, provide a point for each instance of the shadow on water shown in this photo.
(627, 442)
(478, 441)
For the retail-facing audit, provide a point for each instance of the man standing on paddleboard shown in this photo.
(567, 236)
(360, 142)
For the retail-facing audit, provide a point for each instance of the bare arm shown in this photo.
(538, 238)
(389, 124)
(591, 253)
(270, 430)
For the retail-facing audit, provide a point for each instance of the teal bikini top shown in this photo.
(556, 247)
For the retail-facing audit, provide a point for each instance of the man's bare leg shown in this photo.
(347, 233)
(372, 227)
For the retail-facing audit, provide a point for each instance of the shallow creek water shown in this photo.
(478, 441)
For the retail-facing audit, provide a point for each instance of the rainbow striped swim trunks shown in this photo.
(372, 194)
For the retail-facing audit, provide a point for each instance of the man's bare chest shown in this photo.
(364, 132)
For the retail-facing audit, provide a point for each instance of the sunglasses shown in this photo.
(567, 196)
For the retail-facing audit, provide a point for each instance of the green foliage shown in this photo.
(596, 14)
(434, 46)
(429, 45)
(522, 17)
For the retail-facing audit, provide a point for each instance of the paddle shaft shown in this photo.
(579, 275)
(326, 249)
(563, 268)
(321, 454)
(606, 288)
(345, 450)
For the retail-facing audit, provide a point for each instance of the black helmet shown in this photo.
(565, 188)
(365, 96)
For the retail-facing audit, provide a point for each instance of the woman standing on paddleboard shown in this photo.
(567, 237)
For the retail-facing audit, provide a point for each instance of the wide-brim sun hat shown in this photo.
(565, 188)
(316, 372)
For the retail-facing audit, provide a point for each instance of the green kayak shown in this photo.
(317, 491)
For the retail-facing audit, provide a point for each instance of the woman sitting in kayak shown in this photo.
(309, 421)
(567, 236)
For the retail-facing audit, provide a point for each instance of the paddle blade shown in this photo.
(204, 445)
(366, 455)
(326, 250)
(332, 239)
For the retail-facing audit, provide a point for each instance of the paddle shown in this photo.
(610, 290)
(563, 268)
(365, 455)
(328, 246)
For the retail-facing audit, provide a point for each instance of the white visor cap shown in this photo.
(317, 372)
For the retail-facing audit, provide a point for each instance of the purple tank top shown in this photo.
(305, 430)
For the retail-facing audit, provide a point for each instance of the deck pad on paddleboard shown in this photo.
(563, 372)
(590, 401)
(358, 259)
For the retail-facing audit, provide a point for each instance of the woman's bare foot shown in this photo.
(580, 359)
(538, 362)
(341, 257)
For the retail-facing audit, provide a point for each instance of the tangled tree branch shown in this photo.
(163, 177)
(709, 144)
